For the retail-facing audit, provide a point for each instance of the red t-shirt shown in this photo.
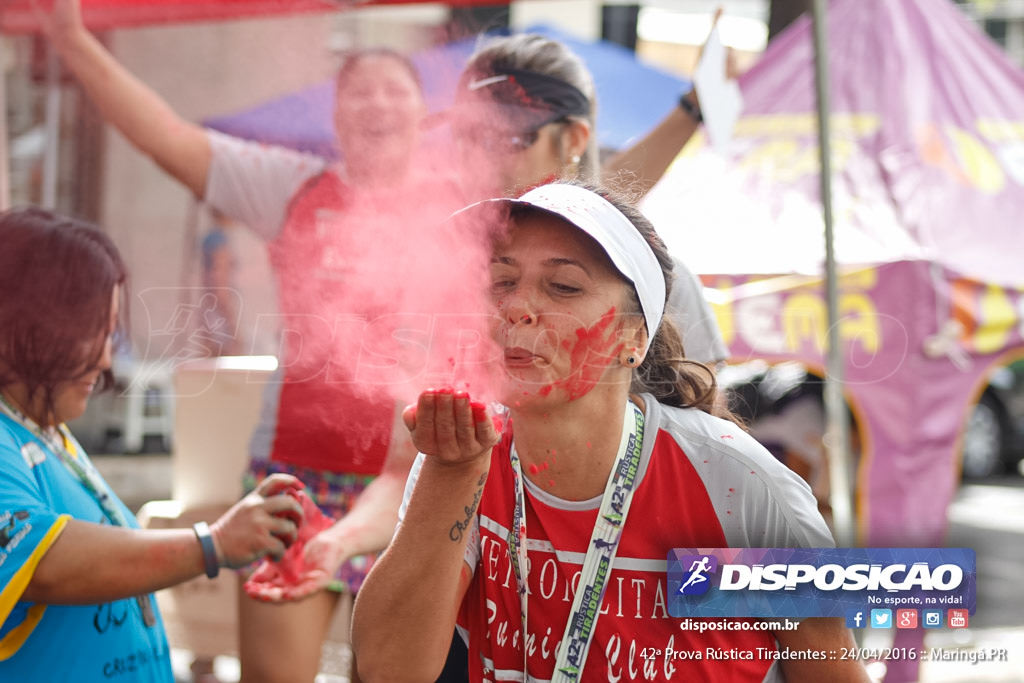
(325, 419)
(704, 483)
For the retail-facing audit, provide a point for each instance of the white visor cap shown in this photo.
(625, 246)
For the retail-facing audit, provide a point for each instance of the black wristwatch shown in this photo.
(691, 108)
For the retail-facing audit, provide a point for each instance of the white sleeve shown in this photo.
(253, 183)
(689, 310)
(472, 553)
(410, 484)
(772, 506)
(777, 508)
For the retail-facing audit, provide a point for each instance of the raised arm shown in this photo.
(90, 563)
(638, 168)
(178, 146)
(405, 611)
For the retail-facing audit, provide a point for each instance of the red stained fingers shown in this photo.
(447, 424)
(485, 426)
(284, 507)
(465, 429)
(423, 435)
(284, 529)
(279, 483)
(444, 421)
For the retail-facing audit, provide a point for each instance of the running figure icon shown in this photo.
(697, 573)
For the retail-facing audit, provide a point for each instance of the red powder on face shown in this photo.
(593, 352)
(534, 469)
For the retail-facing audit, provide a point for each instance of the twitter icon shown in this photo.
(881, 618)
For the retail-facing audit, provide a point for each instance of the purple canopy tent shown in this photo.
(928, 155)
(634, 97)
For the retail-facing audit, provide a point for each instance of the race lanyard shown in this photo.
(604, 541)
(83, 470)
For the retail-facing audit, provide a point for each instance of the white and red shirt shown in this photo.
(703, 482)
(322, 410)
(312, 416)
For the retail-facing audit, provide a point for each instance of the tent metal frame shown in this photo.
(837, 436)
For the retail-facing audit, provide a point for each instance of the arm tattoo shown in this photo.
(455, 533)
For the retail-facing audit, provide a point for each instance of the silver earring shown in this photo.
(576, 158)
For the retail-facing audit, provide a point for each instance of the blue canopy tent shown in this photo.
(632, 97)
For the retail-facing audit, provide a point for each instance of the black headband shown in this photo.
(547, 97)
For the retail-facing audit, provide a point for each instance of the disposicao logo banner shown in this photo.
(817, 582)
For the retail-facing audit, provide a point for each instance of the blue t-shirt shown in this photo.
(108, 642)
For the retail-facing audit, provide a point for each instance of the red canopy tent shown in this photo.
(17, 16)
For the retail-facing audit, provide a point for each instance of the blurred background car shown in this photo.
(783, 407)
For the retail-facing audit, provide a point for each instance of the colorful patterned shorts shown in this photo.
(334, 493)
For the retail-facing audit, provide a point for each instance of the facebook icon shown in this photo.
(855, 618)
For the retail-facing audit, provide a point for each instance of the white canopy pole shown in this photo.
(52, 152)
(837, 436)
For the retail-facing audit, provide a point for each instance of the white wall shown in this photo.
(582, 18)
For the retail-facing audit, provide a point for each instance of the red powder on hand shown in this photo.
(291, 567)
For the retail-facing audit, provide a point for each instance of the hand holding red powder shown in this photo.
(263, 523)
(306, 566)
(448, 426)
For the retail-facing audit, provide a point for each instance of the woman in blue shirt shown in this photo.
(76, 572)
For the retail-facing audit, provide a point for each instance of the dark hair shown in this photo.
(537, 53)
(351, 60)
(666, 372)
(56, 275)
